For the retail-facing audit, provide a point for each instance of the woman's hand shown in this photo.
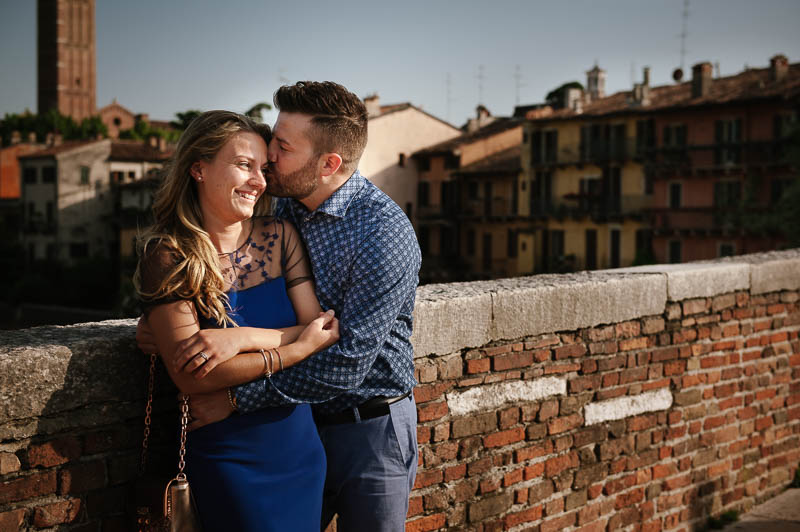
(320, 333)
(218, 345)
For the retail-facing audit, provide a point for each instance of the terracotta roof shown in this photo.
(506, 161)
(752, 84)
(498, 126)
(393, 108)
(66, 146)
(136, 151)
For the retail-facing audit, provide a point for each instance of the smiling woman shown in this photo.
(212, 259)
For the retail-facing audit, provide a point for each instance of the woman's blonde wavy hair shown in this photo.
(178, 226)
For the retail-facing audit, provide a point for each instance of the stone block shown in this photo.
(493, 396)
(623, 407)
(698, 279)
(450, 317)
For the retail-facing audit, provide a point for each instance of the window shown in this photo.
(674, 136)
(31, 210)
(557, 243)
(117, 121)
(487, 198)
(449, 199)
(777, 187)
(49, 213)
(29, 175)
(675, 195)
(674, 251)
(542, 191)
(472, 190)
(728, 136)
(84, 175)
(726, 249)
(422, 193)
(131, 175)
(645, 135)
(644, 245)
(487, 252)
(49, 174)
(451, 161)
(512, 243)
(424, 164)
(544, 146)
(423, 236)
(50, 251)
(79, 250)
(401, 159)
(116, 177)
(447, 242)
(727, 193)
(614, 252)
(471, 242)
(591, 249)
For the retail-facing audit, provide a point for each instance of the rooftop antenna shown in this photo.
(480, 77)
(517, 82)
(684, 32)
(282, 79)
(448, 83)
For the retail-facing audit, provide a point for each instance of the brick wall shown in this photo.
(638, 399)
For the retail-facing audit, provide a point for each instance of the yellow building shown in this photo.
(588, 186)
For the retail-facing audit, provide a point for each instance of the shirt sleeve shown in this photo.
(383, 276)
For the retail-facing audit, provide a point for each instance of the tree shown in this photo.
(185, 118)
(555, 97)
(255, 111)
(51, 122)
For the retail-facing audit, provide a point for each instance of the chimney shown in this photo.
(162, 144)
(596, 83)
(641, 91)
(373, 104)
(701, 79)
(573, 99)
(778, 67)
(58, 139)
(49, 138)
(16, 137)
(32, 137)
(153, 141)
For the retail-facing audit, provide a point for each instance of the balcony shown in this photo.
(595, 207)
(600, 152)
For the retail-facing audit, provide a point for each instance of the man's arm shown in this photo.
(384, 276)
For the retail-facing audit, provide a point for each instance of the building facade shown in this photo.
(456, 177)
(66, 56)
(395, 132)
(70, 196)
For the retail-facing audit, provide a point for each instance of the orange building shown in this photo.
(10, 187)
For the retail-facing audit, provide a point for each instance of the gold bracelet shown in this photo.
(232, 399)
(267, 367)
(280, 360)
(271, 364)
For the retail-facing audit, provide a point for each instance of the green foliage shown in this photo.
(556, 96)
(51, 122)
(255, 111)
(796, 482)
(142, 130)
(718, 523)
(185, 118)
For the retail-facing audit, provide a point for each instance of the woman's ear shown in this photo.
(197, 171)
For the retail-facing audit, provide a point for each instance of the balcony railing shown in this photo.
(596, 207)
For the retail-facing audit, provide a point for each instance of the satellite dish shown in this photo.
(677, 75)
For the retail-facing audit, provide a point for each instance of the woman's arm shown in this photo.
(172, 323)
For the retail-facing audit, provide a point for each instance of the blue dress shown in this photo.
(263, 471)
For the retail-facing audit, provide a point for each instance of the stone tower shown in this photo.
(66, 57)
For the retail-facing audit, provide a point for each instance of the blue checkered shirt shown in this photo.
(366, 260)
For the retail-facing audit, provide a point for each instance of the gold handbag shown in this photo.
(178, 512)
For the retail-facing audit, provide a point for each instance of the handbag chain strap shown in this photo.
(148, 410)
(184, 424)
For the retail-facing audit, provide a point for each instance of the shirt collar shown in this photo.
(336, 205)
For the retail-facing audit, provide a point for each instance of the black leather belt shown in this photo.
(377, 407)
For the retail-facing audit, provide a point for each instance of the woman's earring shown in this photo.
(199, 178)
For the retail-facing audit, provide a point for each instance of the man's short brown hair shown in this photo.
(339, 117)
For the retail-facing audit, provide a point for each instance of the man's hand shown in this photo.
(144, 337)
(205, 408)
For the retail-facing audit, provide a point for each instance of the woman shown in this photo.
(212, 260)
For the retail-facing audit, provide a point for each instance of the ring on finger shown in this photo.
(203, 356)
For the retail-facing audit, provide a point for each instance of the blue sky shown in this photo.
(161, 57)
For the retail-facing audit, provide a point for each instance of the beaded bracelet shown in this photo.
(232, 399)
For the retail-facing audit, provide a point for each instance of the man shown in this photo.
(366, 261)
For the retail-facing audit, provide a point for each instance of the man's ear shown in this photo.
(331, 162)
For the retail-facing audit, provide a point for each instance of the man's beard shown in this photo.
(299, 184)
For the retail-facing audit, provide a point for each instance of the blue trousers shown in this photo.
(372, 465)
